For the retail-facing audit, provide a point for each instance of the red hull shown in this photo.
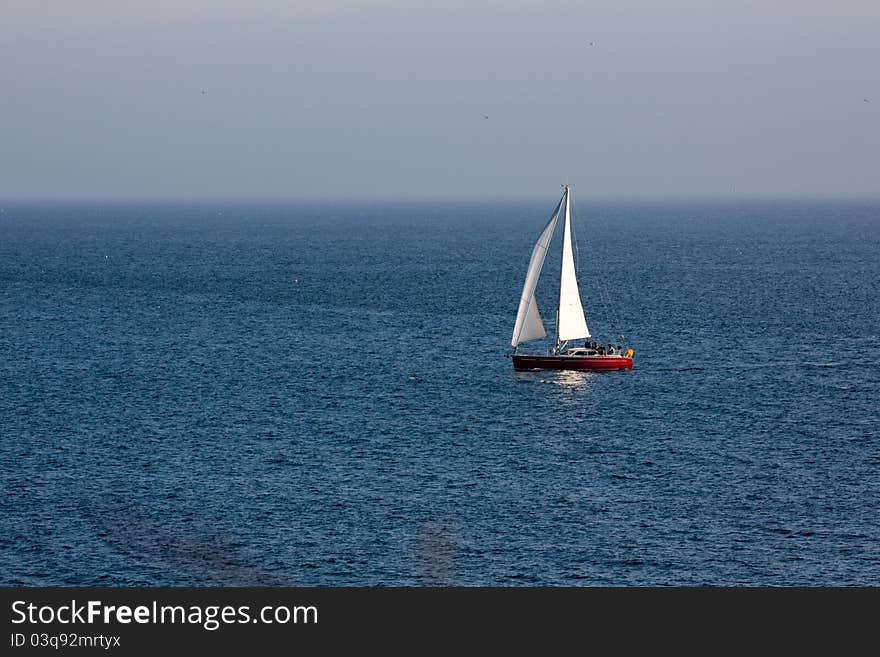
(523, 362)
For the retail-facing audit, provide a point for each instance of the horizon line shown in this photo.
(311, 200)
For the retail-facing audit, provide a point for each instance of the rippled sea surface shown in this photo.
(319, 395)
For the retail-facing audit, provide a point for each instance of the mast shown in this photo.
(565, 229)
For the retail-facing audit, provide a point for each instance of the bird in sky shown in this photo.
(485, 116)
(867, 100)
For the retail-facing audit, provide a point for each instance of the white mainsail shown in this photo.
(570, 323)
(528, 320)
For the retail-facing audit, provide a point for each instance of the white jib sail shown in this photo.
(528, 320)
(571, 323)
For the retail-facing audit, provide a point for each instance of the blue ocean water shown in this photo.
(318, 395)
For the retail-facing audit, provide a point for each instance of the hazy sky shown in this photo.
(353, 99)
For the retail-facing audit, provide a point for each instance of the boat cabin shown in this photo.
(581, 351)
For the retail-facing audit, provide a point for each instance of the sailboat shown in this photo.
(570, 321)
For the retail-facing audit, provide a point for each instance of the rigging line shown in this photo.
(613, 316)
(602, 303)
(575, 217)
(608, 309)
(574, 238)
